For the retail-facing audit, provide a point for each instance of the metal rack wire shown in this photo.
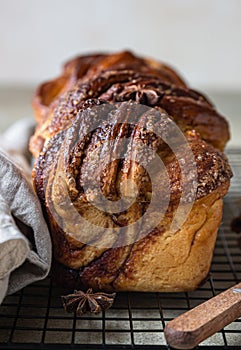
(34, 317)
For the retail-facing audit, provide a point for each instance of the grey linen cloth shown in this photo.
(25, 245)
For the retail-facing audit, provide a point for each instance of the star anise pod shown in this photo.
(141, 94)
(87, 302)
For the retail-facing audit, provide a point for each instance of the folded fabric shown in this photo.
(25, 245)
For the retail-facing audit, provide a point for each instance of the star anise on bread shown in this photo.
(83, 302)
(141, 94)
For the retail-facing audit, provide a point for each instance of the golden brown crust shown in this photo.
(130, 82)
(69, 157)
(102, 265)
(162, 261)
(165, 262)
(83, 68)
(211, 165)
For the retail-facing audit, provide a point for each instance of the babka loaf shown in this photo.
(131, 174)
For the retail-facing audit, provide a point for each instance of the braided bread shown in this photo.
(130, 174)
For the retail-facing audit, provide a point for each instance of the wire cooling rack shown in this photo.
(34, 317)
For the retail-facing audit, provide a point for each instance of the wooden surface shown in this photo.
(196, 325)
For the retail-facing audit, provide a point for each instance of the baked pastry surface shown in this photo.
(69, 169)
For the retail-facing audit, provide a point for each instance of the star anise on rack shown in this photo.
(87, 302)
